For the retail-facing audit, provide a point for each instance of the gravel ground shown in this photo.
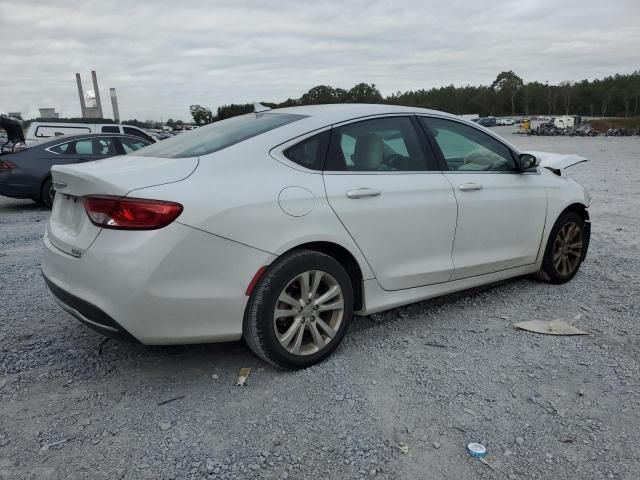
(432, 376)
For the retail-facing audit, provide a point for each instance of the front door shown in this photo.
(391, 197)
(501, 211)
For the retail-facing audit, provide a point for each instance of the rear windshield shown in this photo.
(218, 135)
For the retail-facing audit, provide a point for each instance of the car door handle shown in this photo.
(363, 192)
(469, 187)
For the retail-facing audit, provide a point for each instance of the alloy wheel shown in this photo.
(567, 248)
(308, 312)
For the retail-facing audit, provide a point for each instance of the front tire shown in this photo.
(300, 310)
(566, 248)
(47, 193)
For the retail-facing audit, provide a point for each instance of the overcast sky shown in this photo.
(162, 56)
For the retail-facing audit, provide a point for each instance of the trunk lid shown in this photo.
(69, 228)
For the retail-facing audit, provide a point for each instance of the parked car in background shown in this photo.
(486, 121)
(41, 130)
(278, 226)
(504, 121)
(27, 173)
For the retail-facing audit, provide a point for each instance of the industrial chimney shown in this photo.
(83, 108)
(97, 92)
(114, 104)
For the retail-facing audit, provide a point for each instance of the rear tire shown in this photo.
(292, 326)
(47, 193)
(565, 250)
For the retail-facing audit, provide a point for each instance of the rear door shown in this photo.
(501, 211)
(387, 190)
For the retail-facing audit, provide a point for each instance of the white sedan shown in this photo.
(278, 226)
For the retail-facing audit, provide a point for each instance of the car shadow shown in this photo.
(230, 356)
(421, 309)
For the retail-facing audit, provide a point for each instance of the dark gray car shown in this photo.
(27, 173)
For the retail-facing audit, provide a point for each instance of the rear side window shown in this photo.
(219, 135)
(310, 153)
(111, 129)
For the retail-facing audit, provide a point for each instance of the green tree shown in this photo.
(364, 93)
(228, 111)
(320, 95)
(508, 84)
(201, 115)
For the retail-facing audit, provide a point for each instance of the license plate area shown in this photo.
(69, 228)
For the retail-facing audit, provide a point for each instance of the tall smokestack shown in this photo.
(95, 88)
(83, 107)
(114, 104)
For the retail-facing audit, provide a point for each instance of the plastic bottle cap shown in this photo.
(476, 450)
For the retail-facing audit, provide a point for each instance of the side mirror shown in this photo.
(527, 162)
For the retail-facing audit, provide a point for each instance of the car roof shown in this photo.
(321, 116)
(338, 112)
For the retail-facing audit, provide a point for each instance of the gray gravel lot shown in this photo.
(432, 376)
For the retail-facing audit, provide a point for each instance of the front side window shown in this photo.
(219, 135)
(388, 144)
(132, 144)
(310, 153)
(467, 149)
(111, 129)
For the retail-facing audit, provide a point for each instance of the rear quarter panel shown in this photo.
(234, 194)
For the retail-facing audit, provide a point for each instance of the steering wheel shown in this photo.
(396, 161)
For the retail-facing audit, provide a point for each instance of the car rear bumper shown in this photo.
(169, 286)
(88, 314)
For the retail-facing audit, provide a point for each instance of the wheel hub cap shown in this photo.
(567, 249)
(308, 312)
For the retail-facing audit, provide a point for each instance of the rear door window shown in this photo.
(389, 144)
(111, 129)
(84, 147)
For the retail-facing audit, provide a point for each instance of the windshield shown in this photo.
(218, 135)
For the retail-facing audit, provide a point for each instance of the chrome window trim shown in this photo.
(101, 135)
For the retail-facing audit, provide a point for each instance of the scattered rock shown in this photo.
(164, 426)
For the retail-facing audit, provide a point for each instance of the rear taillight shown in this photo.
(7, 165)
(130, 213)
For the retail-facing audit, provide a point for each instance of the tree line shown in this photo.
(508, 94)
